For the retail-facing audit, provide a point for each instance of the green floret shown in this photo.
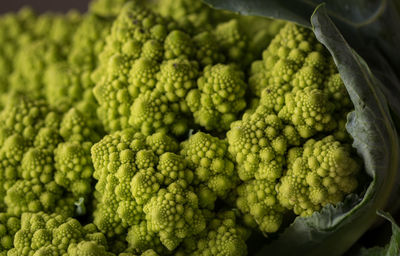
(63, 86)
(145, 73)
(257, 200)
(173, 222)
(22, 116)
(30, 133)
(66, 87)
(178, 44)
(192, 15)
(298, 80)
(53, 234)
(74, 167)
(31, 196)
(150, 54)
(207, 49)
(293, 59)
(127, 174)
(213, 166)
(37, 164)
(337, 93)
(143, 76)
(131, 170)
(49, 43)
(259, 142)
(57, 28)
(149, 252)
(134, 34)
(309, 111)
(141, 239)
(13, 33)
(68, 83)
(76, 127)
(174, 167)
(9, 225)
(260, 31)
(161, 144)
(20, 121)
(176, 78)
(130, 174)
(29, 44)
(153, 112)
(88, 248)
(31, 64)
(223, 236)
(88, 41)
(219, 97)
(324, 174)
(233, 42)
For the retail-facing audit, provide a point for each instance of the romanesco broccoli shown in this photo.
(164, 128)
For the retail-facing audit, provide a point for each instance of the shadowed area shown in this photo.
(44, 5)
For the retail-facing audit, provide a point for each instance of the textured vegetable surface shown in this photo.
(172, 128)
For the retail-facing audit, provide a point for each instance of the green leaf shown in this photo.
(355, 13)
(296, 11)
(393, 248)
(333, 230)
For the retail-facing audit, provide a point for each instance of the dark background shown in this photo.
(43, 5)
